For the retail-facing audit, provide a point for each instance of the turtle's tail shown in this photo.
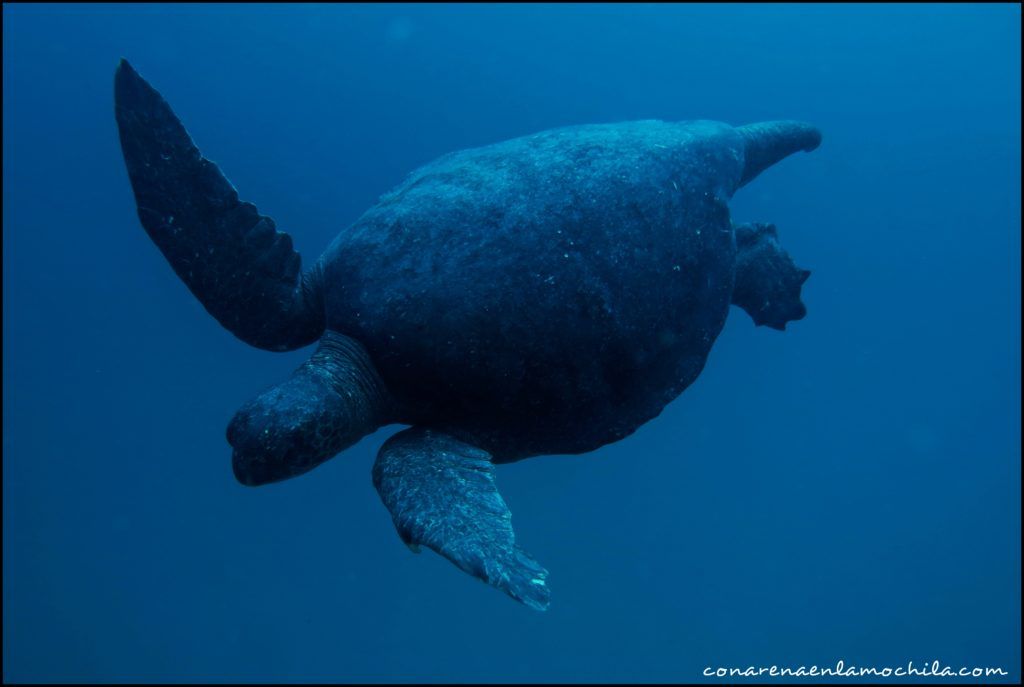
(768, 142)
(241, 269)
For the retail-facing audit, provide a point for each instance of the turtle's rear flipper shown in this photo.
(768, 282)
(441, 493)
(242, 270)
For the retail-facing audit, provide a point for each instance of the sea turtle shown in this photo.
(549, 294)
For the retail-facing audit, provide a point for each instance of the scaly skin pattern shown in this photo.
(548, 294)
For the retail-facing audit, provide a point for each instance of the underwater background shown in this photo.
(848, 489)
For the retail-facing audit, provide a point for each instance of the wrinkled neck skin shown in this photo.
(767, 280)
(330, 402)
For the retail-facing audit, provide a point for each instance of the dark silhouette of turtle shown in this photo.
(548, 294)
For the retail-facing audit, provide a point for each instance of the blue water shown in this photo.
(847, 489)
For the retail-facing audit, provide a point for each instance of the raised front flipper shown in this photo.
(441, 493)
(241, 269)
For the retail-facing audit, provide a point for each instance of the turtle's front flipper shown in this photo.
(241, 269)
(441, 493)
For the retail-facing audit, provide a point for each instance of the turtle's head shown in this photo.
(767, 281)
(274, 436)
(329, 403)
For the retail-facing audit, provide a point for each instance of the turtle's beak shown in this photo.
(264, 450)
